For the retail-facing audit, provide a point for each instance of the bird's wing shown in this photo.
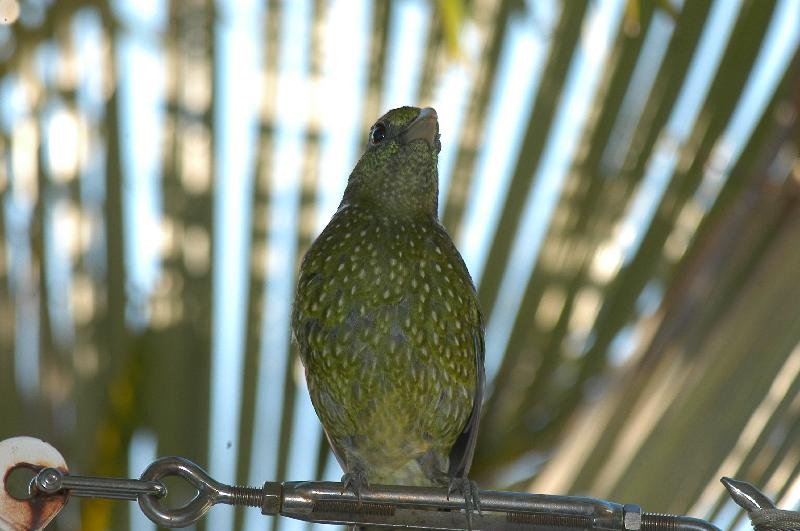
(300, 338)
(464, 448)
(337, 452)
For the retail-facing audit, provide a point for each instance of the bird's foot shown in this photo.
(354, 480)
(468, 489)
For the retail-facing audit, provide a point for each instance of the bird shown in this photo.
(387, 321)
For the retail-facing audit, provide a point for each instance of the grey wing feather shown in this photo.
(464, 448)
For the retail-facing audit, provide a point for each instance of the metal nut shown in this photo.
(632, 517)
(273, 493)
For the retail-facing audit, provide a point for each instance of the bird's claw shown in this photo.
(472, 501)
(354, 481)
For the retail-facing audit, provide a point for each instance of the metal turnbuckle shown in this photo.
(330, 502)
(377, 505)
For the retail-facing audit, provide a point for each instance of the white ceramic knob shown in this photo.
(34, 513)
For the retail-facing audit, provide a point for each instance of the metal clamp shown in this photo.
(760, 509)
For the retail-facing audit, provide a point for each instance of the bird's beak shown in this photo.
(424, 127)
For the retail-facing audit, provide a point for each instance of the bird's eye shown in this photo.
(377, 134)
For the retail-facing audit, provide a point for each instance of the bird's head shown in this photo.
(397, 172)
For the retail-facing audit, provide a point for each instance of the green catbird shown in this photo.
(387, 320)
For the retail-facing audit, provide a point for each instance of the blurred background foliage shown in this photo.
(622, 178)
